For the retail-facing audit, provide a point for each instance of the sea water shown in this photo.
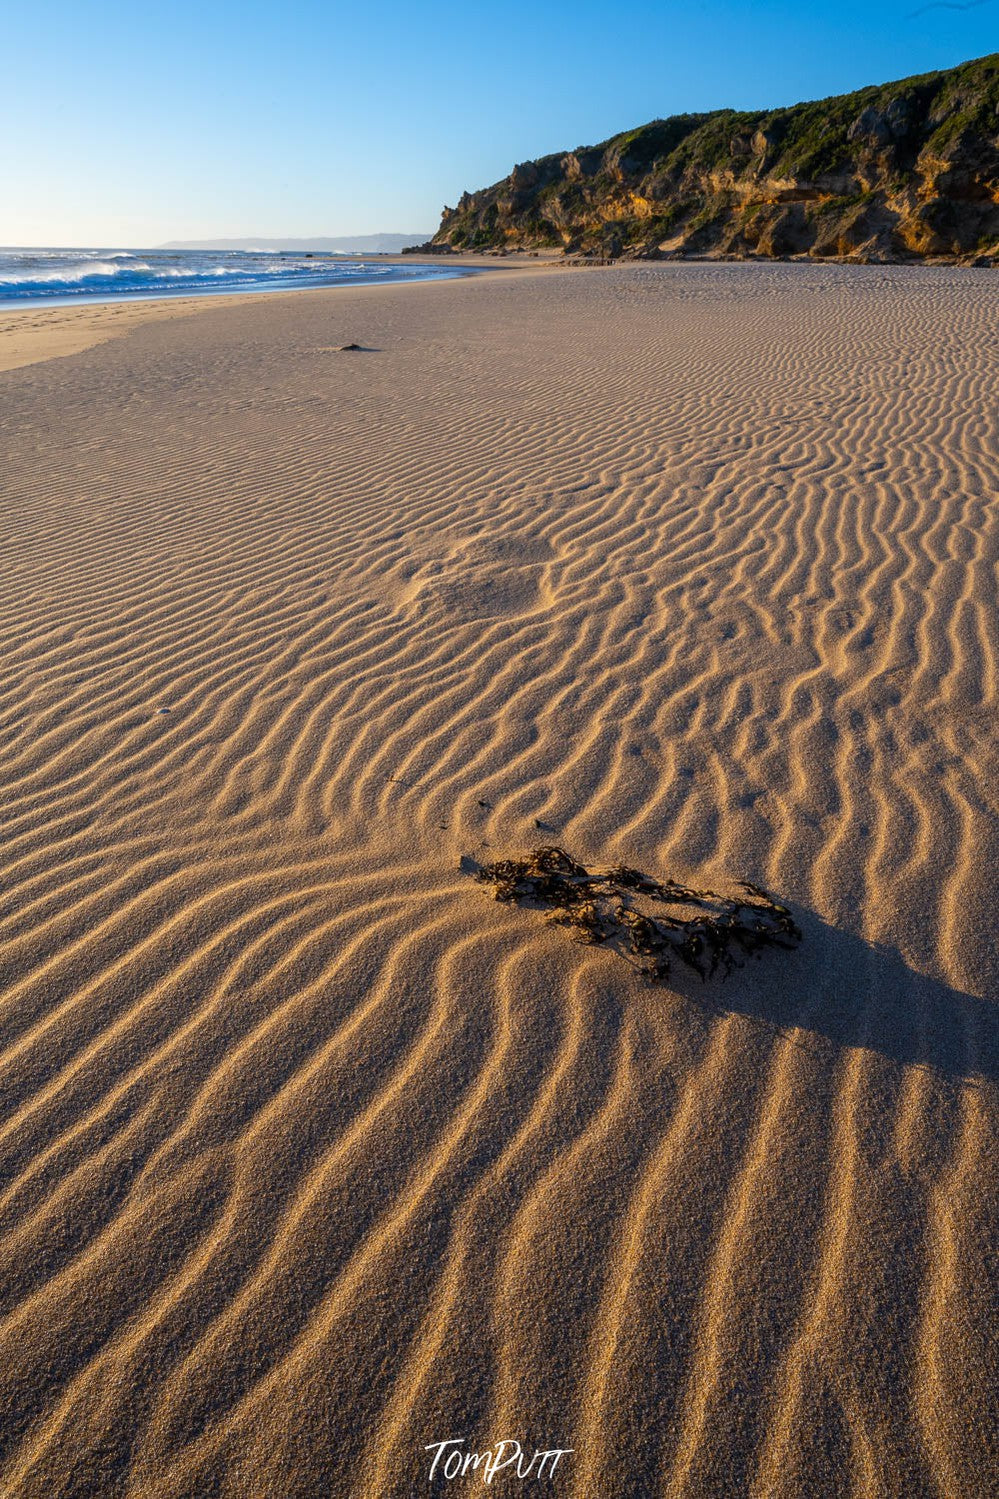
(106, 275)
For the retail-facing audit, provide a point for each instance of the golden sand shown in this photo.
(311, 1154)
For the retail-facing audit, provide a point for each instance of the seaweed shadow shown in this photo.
(834, 990)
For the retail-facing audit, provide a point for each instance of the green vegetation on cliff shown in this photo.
(900, 170)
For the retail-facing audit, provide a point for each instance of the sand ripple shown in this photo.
(309, 1153)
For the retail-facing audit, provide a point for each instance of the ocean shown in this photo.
(60, 275)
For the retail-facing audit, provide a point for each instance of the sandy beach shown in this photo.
(313, 1155)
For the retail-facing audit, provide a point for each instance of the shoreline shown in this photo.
(39, 331)
(154, 293)
(33, 332)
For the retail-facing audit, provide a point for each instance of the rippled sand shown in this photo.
(311, 1154)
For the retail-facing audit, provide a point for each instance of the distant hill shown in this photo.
(905, 170)
(347, 244)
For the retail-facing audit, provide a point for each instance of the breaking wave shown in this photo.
(102, 274)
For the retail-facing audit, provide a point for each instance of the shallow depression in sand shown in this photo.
(480, 579)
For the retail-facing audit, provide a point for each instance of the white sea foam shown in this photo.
(67, 274)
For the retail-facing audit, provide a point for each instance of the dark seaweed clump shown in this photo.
(621, 906)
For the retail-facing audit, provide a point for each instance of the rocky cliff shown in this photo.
(901, 170)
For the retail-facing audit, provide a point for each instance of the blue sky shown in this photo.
(131, 124)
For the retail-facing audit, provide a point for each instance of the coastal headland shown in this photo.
(900, 171)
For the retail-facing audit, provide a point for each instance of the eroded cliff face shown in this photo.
(904, 170)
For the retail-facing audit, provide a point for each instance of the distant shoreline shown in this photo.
(33, 331)
(52, 278)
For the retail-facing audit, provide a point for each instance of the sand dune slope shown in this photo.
(311, 1154)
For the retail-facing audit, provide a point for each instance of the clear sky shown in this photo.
(132, 124)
